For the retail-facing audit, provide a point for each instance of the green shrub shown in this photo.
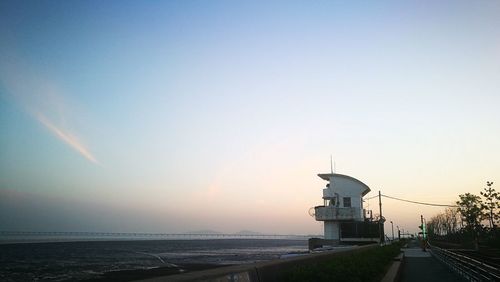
(367, 265)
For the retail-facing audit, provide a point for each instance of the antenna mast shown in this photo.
(331, 164)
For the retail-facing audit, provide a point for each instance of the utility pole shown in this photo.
(423, 232)
(380, 222)
(392, 227)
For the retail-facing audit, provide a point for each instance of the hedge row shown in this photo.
(368, 265)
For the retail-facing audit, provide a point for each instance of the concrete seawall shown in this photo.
(260, 272)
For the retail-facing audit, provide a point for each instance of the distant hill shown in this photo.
(208, 231)
(247, 232)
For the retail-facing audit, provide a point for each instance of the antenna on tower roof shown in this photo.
(331, 164)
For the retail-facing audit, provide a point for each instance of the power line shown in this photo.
(420, 203)
(366, 199)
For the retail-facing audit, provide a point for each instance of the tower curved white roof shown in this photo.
(327, 176)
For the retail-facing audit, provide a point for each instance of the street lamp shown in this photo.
(392, 227)
(399, 233)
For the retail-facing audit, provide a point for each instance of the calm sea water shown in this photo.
(68, 261)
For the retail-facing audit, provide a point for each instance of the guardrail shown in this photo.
(471, 269)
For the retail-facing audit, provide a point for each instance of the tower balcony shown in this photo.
(323, 213)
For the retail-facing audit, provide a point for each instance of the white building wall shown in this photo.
(331, 230)
(346, 187)
(328, 193)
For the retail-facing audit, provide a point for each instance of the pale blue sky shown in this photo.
(215, 114)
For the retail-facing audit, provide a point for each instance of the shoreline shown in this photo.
(134, 259)
(139, 274)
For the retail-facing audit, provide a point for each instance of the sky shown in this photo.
(174, 116)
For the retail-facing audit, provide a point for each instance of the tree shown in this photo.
(492, 205)
(451, 220)
(444, 223)
(471, 207)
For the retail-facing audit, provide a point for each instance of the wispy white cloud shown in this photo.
(69, 139)
(42, 99)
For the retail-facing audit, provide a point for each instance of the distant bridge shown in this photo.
(141, 235)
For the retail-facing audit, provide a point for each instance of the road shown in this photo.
(421, 266)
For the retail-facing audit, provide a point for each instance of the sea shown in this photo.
(104, 260)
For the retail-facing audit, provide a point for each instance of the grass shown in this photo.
(368, 265)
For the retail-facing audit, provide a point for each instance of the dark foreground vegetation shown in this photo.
(367, 265)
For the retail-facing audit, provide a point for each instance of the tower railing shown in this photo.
(337, 213)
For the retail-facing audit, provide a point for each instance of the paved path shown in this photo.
(420, 266)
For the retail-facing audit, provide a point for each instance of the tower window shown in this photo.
(347, 202)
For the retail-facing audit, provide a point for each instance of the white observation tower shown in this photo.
(342, 202)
